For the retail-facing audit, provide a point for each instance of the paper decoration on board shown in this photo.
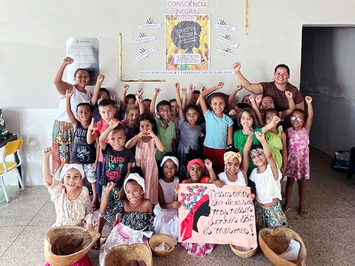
(187, 43)
(145, 53)
(85, 52)
(209, 214)
(226, 40)
(187, 9)
(226, 52)
(144, 38)
(149, 24)
(222, 25)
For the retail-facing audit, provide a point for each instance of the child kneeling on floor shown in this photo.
(71, 200)
(266, 176)
(135, 220)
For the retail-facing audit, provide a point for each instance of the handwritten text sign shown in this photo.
(216, 215)
(224, 53)
(146, 53)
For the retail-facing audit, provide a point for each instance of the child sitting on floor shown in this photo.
(71, 200)
(166, 211)
(135, 220)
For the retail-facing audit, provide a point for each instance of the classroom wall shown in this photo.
(33, 35)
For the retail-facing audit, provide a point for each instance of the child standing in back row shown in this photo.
(219, 126)
(165, 128)
(191, 132)
(298, 155)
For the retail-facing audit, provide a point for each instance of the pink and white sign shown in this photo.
(216, 215)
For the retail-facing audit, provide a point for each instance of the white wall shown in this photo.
(33, 35)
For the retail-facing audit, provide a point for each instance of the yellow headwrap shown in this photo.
(230, 155)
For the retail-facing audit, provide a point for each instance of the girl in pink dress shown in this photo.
(298, 154)
(147, 142)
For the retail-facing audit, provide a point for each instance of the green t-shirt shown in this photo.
(166, 135)
(240, 139)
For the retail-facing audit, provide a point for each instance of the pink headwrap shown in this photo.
(199, 161)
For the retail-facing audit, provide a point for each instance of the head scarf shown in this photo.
(199, 161)
(230, 155)
(136, 177)
(173, 158)
(66, 167)
(187, 223)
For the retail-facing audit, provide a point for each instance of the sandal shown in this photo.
(285, 209)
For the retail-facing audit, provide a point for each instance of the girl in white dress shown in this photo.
(166, 211)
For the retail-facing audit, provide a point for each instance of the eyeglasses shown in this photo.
(258, 151)
(298, 119)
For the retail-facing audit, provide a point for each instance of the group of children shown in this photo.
(122, 151)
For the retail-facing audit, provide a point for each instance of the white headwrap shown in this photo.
(136, 177)
(173, 158)
(69, 166)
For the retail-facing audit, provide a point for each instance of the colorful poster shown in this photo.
(216, 215)
(187, 43)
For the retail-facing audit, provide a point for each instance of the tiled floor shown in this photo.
(328, 231)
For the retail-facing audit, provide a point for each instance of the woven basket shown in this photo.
(157, 239)
(123, 254)
(243, 252)
(275, 241)
(89, 239)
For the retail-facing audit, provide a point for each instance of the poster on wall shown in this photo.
(85, 52)
(209, 214)
(187, 43)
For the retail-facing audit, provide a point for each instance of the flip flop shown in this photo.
(286, 209)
